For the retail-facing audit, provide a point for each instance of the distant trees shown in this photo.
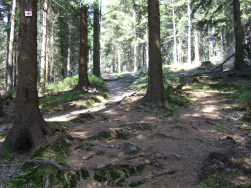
(192, 31)
(10, 64)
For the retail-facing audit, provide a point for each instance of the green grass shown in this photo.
(63, 92)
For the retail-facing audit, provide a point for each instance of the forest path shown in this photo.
(173, 149)
(124, 143)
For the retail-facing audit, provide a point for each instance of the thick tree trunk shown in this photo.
(11, 47)
(155, 92)
(96, 42)
(29, 127)
(83, 82)
(239, 38)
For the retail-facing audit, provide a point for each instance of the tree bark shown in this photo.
(189, 38)
(155, 93)
(44, 47)
(174, 35)
(239, 38)
(96, 40)
(11, 47)
(1, 107)
(83, 82)
(196, 46)
(69, 56)
(29, 127)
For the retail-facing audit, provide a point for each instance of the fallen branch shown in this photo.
(222, 63)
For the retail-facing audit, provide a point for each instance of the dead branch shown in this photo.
(222, 63)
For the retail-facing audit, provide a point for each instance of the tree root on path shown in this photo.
(48, 162)
(146, 179)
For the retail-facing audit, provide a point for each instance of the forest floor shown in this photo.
(120, 142)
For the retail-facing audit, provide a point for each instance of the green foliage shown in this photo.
(117, 174)
(51, 101)
(66, 93)
(98, 83)
(33, 174)
(57, 150)
(60, 86)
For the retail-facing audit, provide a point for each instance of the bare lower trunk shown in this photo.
(239, 38)
(29, 127)
(83, 82)
(96, 41)
(155, 93)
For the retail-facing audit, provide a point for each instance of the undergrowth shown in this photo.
(172, 85)
(63, 92)
(36, 174)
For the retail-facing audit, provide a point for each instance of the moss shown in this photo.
(33, 176)
(136, 183)
(117, 174)
(85, 173)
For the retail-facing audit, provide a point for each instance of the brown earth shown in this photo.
(122, 142)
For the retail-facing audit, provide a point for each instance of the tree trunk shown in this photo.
(155, 93)
(239, 38)
(11, 47)
(119, 69)
(135, 43)
(83, 82)
(1, 107)
(29, 127)
(62, 27)
(69, 56)
(174, 35)
(196, 46)
(189, 49)
(44, 47)
(96, 42)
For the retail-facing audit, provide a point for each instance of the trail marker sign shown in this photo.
(28, 13)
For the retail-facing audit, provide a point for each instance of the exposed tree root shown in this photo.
(146, 179)
(47, 162)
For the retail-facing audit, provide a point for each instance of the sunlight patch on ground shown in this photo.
(82, 134)
(68, 116)
(2, 139)
(209, 109)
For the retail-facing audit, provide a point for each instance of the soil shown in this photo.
(123, 143)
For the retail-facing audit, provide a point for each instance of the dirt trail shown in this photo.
(164, 152)
(178, 144)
